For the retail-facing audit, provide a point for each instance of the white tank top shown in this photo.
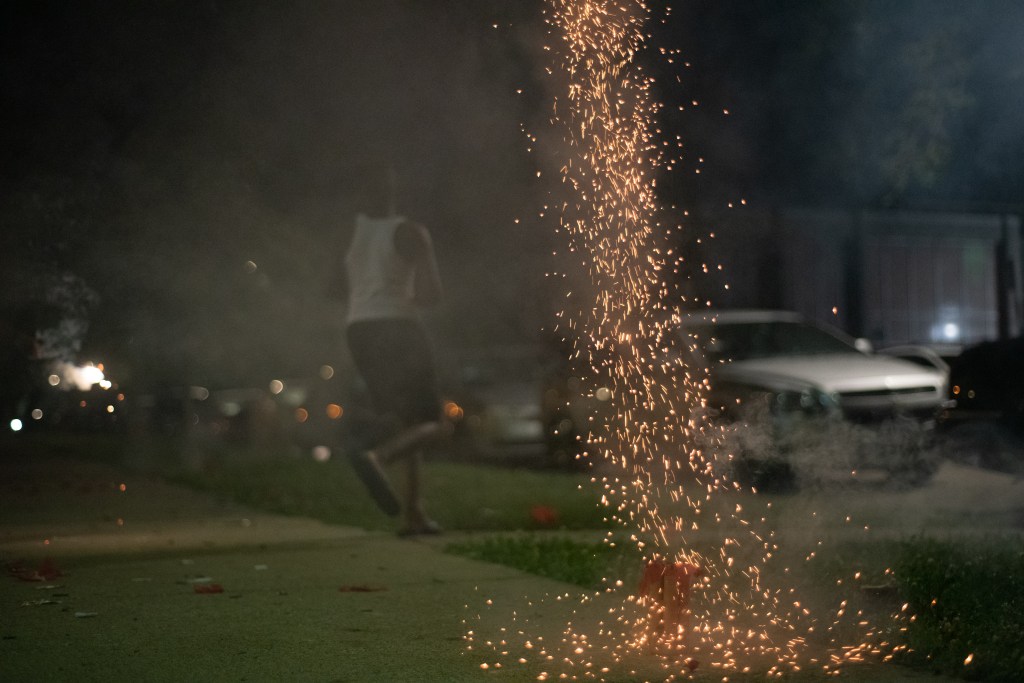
(380, 280)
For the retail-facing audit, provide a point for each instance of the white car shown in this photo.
(801, 401)
(808, 368)
(776, 381)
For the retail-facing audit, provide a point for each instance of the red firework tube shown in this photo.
(668, 585)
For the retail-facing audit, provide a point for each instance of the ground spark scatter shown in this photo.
(658, 460)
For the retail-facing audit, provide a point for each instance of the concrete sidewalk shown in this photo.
(140, 562)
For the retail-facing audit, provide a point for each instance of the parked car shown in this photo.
(809, 368)
(938, 356)
(827, 400)
(987, 380)
(495, 402)
(986, 427)
(788, 389)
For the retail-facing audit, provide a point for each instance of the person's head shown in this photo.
(375, 195)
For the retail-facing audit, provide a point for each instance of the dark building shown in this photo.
(894, 277)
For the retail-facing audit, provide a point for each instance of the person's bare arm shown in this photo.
(413, 242)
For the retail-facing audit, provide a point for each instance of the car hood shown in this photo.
(841, 372)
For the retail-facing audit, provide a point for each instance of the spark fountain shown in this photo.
(712, 597)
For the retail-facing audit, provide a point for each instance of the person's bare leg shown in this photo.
(367, 468)
(416, 520)
(403, 443)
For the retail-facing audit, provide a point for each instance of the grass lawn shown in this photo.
(968, 598)
(969, 601)
(460, 496)
(582, 563)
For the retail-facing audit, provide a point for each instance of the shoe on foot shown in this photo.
(426, 527)
(376, 481)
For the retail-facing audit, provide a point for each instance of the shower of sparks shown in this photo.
(657, 458)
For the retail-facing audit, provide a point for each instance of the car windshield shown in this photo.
(743, 341)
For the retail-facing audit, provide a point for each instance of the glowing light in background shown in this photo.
(453, 411)
(81, 377)
(16, 425)
(276, 386)
(91, 374)
(326, 372)
(334, 411)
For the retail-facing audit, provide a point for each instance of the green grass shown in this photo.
(459, 496)
(968, 600)
(581, 563)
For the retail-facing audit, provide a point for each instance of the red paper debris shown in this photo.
(360, 588)
(667, 585)
(544, 515)
(208, 588)
(47, 571)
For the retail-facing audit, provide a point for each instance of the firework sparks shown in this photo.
(705, 599)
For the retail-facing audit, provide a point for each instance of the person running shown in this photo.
(390, 273)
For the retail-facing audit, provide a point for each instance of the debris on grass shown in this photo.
(208, 588)
(199, 579)
(544, 515)
(361, 588)
(46, 571)
(41, 601)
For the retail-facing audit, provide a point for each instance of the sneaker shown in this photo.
(427, 527)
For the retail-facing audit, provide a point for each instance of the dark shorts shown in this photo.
(396, 362)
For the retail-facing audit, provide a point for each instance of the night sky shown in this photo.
(154, 151)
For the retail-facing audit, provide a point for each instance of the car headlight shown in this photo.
(810, 401)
